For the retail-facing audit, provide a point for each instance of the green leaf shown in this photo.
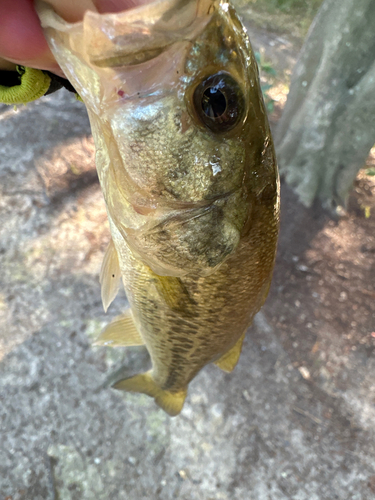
(267, 68)
(266, 86)
(270, 106)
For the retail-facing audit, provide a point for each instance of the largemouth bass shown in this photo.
(187, 168)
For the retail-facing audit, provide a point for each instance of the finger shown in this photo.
(21, 37)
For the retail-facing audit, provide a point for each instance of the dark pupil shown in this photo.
(219, 102)
(214, 103)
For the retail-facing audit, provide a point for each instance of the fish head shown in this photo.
(182, 138)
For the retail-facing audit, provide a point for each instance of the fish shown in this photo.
(187, 167)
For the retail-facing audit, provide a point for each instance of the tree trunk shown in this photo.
(328, 126)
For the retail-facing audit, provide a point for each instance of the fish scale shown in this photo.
(188, 172)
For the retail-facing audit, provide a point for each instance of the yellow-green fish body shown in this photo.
(187, 167)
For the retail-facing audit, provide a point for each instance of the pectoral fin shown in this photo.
(228, 361)
(170, 402)
(174, 293)
(110, 276)
(122, 331)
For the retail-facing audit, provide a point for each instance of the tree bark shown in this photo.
(328, 125)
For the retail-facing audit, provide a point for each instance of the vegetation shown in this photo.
(267, 70)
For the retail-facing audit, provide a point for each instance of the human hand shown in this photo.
(21, 36)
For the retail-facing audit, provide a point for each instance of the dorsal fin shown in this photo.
(110, 275)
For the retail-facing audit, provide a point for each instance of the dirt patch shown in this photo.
(323, 293)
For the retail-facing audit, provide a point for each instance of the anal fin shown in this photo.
(170, 402)
(228, 361)
(122, 331)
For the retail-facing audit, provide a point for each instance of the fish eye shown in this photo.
(219, 102)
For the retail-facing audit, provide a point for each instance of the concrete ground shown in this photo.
(265, 432)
